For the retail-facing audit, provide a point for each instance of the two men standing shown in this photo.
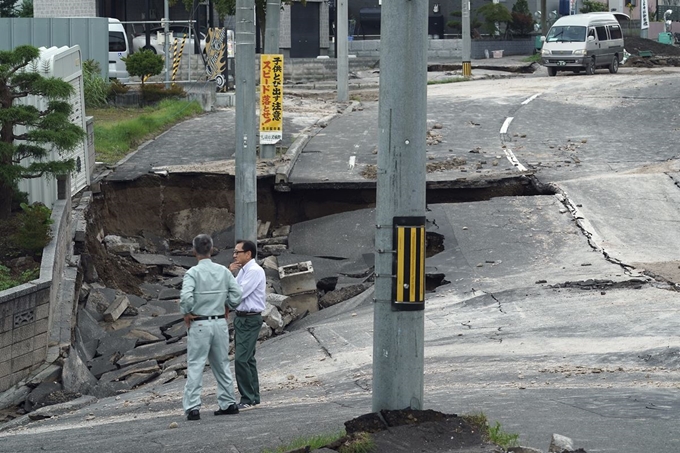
(208, 291)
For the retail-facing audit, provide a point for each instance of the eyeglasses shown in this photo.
(236, 252)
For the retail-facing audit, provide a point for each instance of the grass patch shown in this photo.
(8, 280)
(314, 442)
(118, 131)
(492, 433)
(448, 80)
(535, 58)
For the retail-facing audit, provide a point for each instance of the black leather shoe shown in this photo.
(194, 414)
(231, 410)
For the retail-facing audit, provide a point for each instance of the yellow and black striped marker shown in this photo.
(177, 57)
(409, 263)
(467, 69)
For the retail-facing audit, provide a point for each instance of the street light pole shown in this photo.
(399, 330)
(246, 155)
(467, 39)
(166, 44)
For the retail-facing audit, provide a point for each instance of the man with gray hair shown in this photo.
(208, 290)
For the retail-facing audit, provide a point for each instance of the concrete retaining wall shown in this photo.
(447, 49)
(26, 311)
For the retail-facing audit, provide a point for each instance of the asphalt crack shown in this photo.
(323, 348)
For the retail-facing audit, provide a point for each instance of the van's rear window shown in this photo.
(117, 42)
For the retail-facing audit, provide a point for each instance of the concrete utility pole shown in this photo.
(271, 46)
(544, 17)
(342, 57)
(246, 139)
(402, 128)
(467, 39)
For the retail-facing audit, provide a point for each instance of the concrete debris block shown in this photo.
(38, 397)
(276, 299)
(302, 302)
(149, 311)
(46, 373)
(99, 300)
(116, 309)
(275, 250)
(14, 395)
(137, 379)
(149, 259)
(169, 306)
(107, 389)
(89, 271)
(153, 243)
(174, 271)
(101, 365)
(281, 240)
(263, 229)
(339, 295)
(120, 246)
(524, 450)
(130, 311)
(169, 294)
(165, 377)
(155, 351)
(297, 278)
(145, 335)
(75, 376)
(115, 344)
(281, 231)
(265, 332)
(62, 408)
(151, 290)
(178, 330)
(142, 367)
(177, 363)
(270, 262)
(87, 349)
(84, 292)
(136, 301)
(560, 444)
(173, 282)
(272, 317)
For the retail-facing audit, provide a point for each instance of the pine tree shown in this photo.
(44, 129)
(7, 8)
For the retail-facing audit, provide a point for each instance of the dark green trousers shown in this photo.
(246, 330)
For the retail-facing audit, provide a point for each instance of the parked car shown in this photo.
(156, 42)
(118, 49)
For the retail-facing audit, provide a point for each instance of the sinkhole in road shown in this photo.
(179, 206)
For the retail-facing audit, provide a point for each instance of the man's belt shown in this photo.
(247, 313)
(207, 318)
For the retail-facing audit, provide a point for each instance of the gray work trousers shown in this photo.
(208, 340)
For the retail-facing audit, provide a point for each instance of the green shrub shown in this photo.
(593, 6)
(8, 281)
(115, 88)
(34, 231)
(522, 21)
(155, 92)
(96, 88)
(144, 64)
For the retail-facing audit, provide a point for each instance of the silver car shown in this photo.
(156, 42)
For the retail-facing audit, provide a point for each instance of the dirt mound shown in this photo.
(634, 45)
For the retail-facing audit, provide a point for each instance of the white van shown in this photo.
(118, 49)
(584, 42)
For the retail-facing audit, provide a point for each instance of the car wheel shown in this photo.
(590, 68)
(614, 66)
(220, 81)
(576, 71)
(151, 48)
(552, 72)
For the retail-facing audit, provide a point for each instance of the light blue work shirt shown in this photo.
(207, 288)
(253, 283)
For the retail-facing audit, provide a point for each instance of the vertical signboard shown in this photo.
(644, 15)
(271, 98)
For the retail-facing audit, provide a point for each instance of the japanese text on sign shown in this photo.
(271, 98)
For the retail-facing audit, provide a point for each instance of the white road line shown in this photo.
(526, 101)
(506, 124)
(513, 159)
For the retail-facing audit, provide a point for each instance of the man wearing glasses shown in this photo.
(248, 321)
(208, 290)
